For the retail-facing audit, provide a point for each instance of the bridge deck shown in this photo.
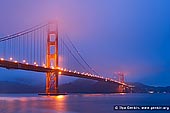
(29, 67)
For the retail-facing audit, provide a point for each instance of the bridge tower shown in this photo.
(52, 58)
(121, 78)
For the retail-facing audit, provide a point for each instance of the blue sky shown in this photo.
(113, 35)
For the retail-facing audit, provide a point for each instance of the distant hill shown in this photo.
(14, 87)
(141, 88)
(88, 86)
(79, 86)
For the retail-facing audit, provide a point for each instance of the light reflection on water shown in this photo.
(32, 104)
(77, 103)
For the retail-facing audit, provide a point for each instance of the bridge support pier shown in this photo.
(121, 89)
(51, 83)
(125, 89)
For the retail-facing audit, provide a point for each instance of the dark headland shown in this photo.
(79, 86)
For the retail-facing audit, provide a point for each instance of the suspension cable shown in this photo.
(19, 34)
(80, 55)
(73, 55)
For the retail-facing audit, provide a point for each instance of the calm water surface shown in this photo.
(79, 103)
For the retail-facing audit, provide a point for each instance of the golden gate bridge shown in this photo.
(43, 48)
